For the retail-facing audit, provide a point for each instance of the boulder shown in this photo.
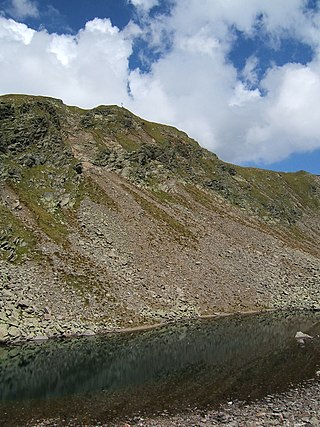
(3, 332)
(301, 337)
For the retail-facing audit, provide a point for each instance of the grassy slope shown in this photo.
(38, 165)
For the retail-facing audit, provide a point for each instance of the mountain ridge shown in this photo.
(108, 220)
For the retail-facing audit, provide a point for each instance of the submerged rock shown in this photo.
(301, 337)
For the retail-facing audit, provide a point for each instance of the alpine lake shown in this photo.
(173, 368)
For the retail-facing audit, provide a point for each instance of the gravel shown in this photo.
(297, 407)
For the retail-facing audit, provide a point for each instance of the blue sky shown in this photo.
(240, 76)
(61, 15)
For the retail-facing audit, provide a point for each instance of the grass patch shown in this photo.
(51, 223)
(301, 184)
(128, 144)
(161, 215)
(16, 240)
(199, 196)
(89, 188)
(154, 130)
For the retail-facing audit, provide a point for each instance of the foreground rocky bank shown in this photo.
(296, 408)
(109, 221)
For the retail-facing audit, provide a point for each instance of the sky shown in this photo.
(242, 77)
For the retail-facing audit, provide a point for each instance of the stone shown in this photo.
(23, 304)
(314, 421)
(88, 333)
(65, 201)
(40, 338)
(3, 316)
(78, 168)
(3, 332)
(13, 321)
(16, 205)
(47, 310)
(301, 337)
(13, 331)
(7, 293)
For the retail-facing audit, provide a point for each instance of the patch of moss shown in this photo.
(91, 189)
(128, 144)
(85, 281)
(34, 184)
(76, 110)
(301, 184)
(16, 240)
(161, 215)
(78, 282)
(154, 130)
(19, 99)
(163, 196)
(154, 185)
(199, 196)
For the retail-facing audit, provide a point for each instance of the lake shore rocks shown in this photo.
(28, 311)
(296, 408)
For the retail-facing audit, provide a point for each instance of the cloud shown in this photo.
(12, 32)
(144, 5)
(87, 69)
(249, 72)
(21, 9)
(233, 117)
(191, 83)
(290, 114)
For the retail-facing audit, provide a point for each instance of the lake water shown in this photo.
(168, 369)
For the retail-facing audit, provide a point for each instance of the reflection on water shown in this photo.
(197, 363)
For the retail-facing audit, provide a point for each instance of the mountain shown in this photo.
(108, 220)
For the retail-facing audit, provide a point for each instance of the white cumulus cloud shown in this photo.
(192, 84)
(87, 69)
(145, 5)
(21, 9)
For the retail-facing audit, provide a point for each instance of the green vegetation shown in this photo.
(16, 240)
(89, 188)
(159, 214)
(37, 161)
(36, 191)
(200, 196)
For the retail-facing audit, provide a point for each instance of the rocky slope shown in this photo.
(107, 221)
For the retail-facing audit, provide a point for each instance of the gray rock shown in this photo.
(88, 333)
(3, 332)
(40, 338)
(24, 304)
(3, 316)
(13, 331)
(314, 421)
(65, 201)
(301, 337)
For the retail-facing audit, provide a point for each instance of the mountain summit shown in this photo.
(108, 220)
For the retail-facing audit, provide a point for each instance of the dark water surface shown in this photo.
(172, 368)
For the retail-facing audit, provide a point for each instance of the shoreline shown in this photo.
(88, 332)
(233, 409)
(296, 407)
